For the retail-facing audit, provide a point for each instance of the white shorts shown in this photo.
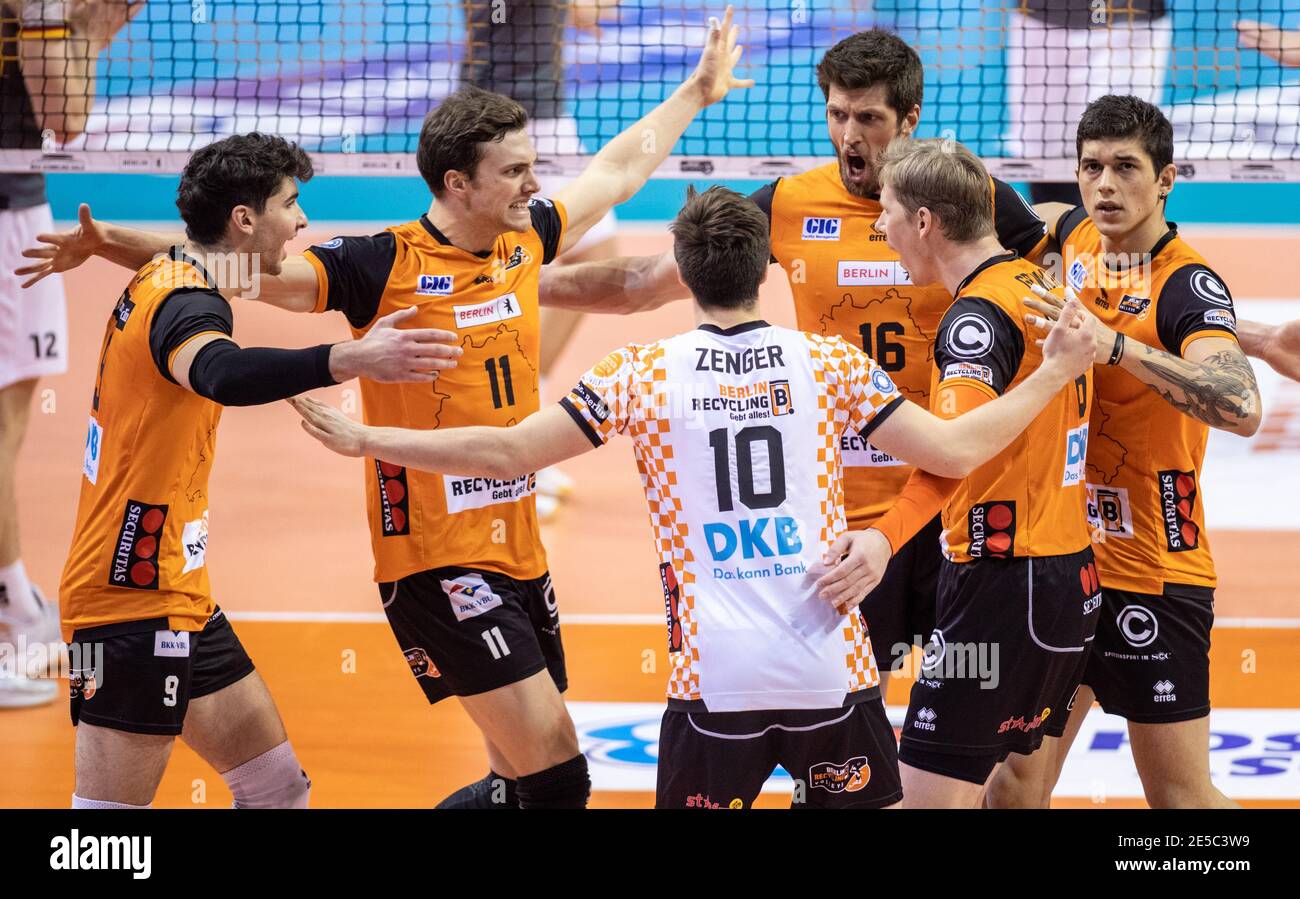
(33, 322)
(1053, 74)
(559, 137)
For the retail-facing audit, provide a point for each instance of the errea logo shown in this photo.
(434, 286)
(821, 229)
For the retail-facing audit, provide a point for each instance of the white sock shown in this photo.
(78, 802)
(17, 600)
(274, 779)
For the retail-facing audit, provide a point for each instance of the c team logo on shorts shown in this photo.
(992, 529)
(421, 664)
(135, 553)
(842, 777)
(1137, 625)
(1177, 501)
(394, 504)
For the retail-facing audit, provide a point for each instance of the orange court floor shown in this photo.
(290, 562)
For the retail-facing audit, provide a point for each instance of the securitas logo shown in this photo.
(135, 558)
(1177, 502)
(434, 285)
(992, 529)
(394, 504)
(821, 229)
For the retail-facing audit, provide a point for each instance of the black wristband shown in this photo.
(1117, 352)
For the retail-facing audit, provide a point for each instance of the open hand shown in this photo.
(1276, 43)
(330, 426)
(389, 354)
(63, 250)
(713, 76)
(1051, 308)
(859, 559)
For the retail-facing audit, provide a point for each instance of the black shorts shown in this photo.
(839, 758)
(899, 613)
(465, 631)
(1006, 657)
(1150, 662)
(139, 677)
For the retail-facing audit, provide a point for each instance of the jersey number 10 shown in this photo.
(746, 438)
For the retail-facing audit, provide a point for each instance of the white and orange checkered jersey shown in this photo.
(737, 438)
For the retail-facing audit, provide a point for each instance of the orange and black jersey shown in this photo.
(139, 545)
(847, 282)
(1029, 499)
(1145, 456)
(424, 520)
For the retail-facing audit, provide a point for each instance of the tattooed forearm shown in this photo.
(1220, 391)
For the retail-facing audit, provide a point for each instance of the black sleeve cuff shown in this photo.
(582, 423)
(879, 418)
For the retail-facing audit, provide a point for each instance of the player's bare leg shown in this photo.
(238, 731)
(925, 789)
(21, 613)
(1027, 781)
(528, 724)
(1173, 761)
(116, 769)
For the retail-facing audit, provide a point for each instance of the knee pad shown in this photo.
(566, 785)
(272, 780)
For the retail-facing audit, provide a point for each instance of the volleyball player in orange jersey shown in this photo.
(459, 560)
(1169, 368)
(136, 580)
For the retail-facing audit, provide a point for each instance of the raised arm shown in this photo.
(621, 286)
(58, 55)
(543, 438)
(625, 163)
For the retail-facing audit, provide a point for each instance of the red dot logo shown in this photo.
(399, 519)
(1086, 580)
(146, 547)
(394, 491)
(143, 573)
(1184, 485)
(389, 469)
(999, 517)
(152, 521)
(1188, 530)
(999, 542)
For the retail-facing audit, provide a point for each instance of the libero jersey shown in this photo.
(421, 520)
(1029, 499)
(1144, 458)
(847, 282)
(140, 542)
(736, 435)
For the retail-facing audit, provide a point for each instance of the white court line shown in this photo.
(633, 619)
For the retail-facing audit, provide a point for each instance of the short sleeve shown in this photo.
(353, 273)
(979, 344)
(1193, 301)
(601, 403)
(1018, 227)
(872, 394)
(549, 223)
(184, 315)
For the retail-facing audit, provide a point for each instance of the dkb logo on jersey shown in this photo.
(845, 777)
(135, 558)
(821, 229)
(393, 501)
(992, 528)
(779, 394)
(434, 286)
(1076, 455)
(672, 594)
(1177, 500)
(750, 536)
